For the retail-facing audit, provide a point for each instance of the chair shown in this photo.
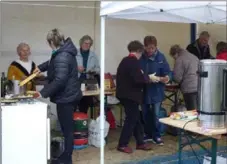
(110, 85)
(111, 79)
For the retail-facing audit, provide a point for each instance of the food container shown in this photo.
(17, 89)
(212, 93)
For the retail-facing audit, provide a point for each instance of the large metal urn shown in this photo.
(17, 89)
(212, 93)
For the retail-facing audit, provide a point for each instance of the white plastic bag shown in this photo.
(94, 137)
(220, 160)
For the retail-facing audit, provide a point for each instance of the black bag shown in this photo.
(57, 147)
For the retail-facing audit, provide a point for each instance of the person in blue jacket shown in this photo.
(153, 62)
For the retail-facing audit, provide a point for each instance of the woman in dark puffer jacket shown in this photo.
(63, 86)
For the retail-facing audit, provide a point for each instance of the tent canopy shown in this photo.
(163, 11)
(167, 11)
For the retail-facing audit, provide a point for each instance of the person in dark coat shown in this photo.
(129, 90)
(200, 48)
(153, 62)
(63, 86)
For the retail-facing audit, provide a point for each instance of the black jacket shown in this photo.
(62, 74)
(130, 80)
(201, 53)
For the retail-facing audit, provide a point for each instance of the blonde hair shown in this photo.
(86, 37)
(175, 49)
(21, 45)
(56, 37)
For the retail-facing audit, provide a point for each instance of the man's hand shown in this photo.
(40, 75)
(37, 95)
(37, 70)
(164, 79)
(153, 78)
(81, 69)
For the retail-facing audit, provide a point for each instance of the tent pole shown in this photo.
(197, 29)
(102, 89)
(193, 31)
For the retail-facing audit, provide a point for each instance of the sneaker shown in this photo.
(145, 147)
(158, 141)
(147, 139)
(125, 149)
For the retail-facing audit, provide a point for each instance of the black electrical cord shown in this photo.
(188, 122)
(189, 141)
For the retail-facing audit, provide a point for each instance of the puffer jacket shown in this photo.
(185, 72)
(62, 74)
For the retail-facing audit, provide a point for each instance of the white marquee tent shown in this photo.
(208, 12)
(167, 11)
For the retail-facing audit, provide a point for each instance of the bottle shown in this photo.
(3, 85)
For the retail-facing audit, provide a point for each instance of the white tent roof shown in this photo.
(167, 11)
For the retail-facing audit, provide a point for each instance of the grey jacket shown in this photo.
(185, 72)
(92, 63)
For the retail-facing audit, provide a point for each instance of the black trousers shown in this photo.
(85, 103)
(132, 124)
(65, 116)
(190, 100)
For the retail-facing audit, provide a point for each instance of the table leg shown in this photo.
(105, 106)
(169, 97)
(92, 110)
(106, 103)
(191, 140)
(179, 146)
(175, 100)
(214, 151)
